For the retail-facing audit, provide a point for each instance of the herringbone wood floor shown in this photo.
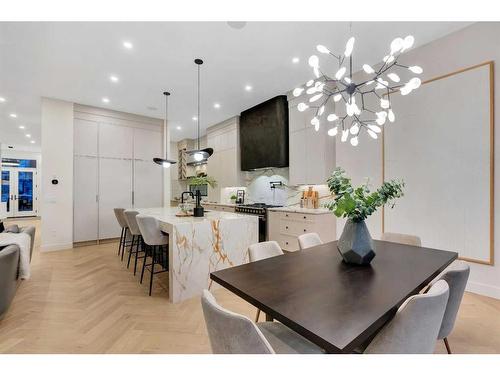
(84, 300)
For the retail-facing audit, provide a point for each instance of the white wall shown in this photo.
(57, 153)
(470, 46)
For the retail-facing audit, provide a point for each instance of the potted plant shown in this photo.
(356, 204)
(233, 198)
(202, 180)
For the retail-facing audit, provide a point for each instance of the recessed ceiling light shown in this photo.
(295, 60)
(2, 100)
(105, 100)
(28, 135)
(13, 115)
(113, 78)
(216, 105)
(178, 128)
(128, 45)
(248, 88)
(32, 142)
(194, 118)
(21, 126)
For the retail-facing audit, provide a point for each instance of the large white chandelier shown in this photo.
(378, 86)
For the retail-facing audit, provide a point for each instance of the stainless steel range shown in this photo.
(260, 210)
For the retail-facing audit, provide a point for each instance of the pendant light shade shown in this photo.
(200, 156)
(165, 162)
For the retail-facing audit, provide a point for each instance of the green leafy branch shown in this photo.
(359, 203)
(202, 180)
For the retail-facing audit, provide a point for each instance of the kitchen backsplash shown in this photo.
(258, 189)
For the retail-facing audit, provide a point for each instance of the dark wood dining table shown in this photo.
(335, 305)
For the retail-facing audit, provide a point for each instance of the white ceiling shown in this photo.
(73, 61)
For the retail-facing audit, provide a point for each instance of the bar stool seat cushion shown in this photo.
(150, 229)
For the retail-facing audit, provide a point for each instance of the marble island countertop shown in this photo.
(201, 245)
(168, 215)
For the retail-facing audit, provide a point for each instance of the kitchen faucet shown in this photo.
(186, 192)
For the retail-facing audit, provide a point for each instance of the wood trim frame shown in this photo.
(490, 63)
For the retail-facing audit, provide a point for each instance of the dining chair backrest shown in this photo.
(456, 276)
(231, 333)
(264, 250)
(309, 240)
(415, 327)
(120, 217)
(150, 230)
(405, 239)
(132, 222)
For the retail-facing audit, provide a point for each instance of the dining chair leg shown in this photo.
(130, 251)
(121, 242)
(152, 270)
(257, 316)
(210, 284)
(269, 318)
(447, 345)
(148, 248)
(139, 242)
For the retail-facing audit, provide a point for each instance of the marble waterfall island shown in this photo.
(201, 245)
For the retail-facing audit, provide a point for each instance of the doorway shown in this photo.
(19, 191)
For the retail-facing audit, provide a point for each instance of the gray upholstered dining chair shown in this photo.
(415, 327)
(122, 222)
(456, 275)
(158, 244)
(263, 250)
(309, 240)
(130, 217)
(405, 239)
(232, 333)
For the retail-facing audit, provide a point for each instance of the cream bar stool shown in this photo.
(232, 333)
(263, 250)
(309, 240)
(157, 243)
(122, 222)
(456, 275)
(130, 216)
(415, 326)
(405, 239)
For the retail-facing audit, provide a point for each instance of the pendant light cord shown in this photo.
(198, 107)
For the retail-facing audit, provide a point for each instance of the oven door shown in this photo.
(262, 228)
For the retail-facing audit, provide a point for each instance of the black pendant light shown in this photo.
(165, 163)
(200, 156)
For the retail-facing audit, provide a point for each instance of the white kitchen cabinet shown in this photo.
(311, 153)
(148, 184)
(85, 137)
(115, 190)
(286, 226)
(113, 168)
(85, 205)
(115, 141)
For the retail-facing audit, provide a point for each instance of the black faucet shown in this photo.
(186, 192)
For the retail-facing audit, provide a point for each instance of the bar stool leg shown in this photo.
(124, 242)
(131, 250)
(144, 262)
(140, 242)
(121, 242)
(152, 270)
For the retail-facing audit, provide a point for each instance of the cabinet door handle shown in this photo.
(286, 215)
(286, 242)
(305, 217)
(286, 227)
(305, 230)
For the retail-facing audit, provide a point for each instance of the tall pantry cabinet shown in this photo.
(113, 167)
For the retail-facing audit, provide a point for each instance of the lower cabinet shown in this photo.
(285, 227)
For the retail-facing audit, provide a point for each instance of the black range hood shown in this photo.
(264, 135)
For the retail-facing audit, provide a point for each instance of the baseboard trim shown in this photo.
(56, 247)
(483, 289)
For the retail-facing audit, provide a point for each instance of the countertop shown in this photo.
(298, 209)
(167, 215)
